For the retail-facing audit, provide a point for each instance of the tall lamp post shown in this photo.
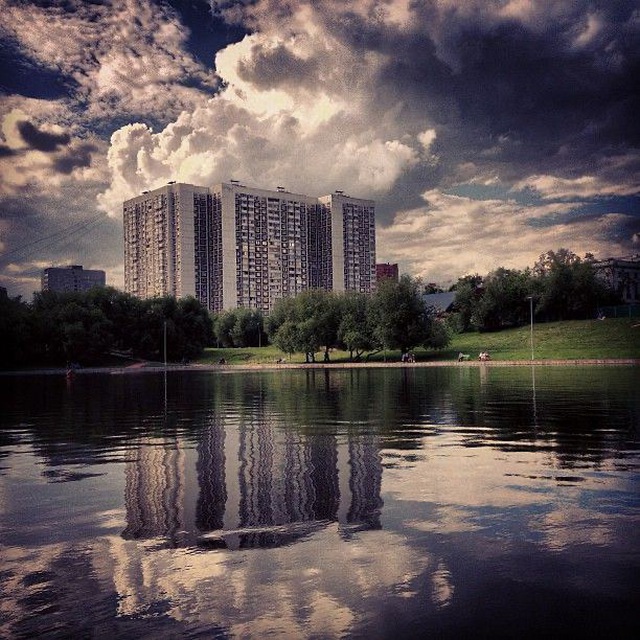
(530, 299)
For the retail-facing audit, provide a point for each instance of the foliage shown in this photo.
(306, 323)
(562, 286)
(400, 318)
(355, 331)
(394, 317)
(87, 327)
(574, 339)
(239, 327)
(504, 302)
(568, 287)
(16, 329)
(468, 290)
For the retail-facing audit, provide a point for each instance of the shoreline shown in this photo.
(155, 367)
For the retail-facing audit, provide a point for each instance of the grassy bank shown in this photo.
(588, 339)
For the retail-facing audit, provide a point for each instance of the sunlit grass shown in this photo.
(585, 339)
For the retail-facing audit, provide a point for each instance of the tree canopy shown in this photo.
(88, 327)
(394, 317)
(562, 285)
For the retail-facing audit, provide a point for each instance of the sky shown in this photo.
(487, 131)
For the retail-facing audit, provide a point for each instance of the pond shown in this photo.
(363, 503)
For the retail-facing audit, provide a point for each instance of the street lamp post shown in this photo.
(530, 298)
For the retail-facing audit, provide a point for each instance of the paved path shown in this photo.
(158, 367)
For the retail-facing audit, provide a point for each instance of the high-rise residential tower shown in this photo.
(167, 242)
(237, 246)
(352, 242)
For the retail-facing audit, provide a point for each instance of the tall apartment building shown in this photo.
(166, 236)
(350, 233)
(237, 246)
(71, 278)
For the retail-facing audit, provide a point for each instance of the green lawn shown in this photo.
(584, 339)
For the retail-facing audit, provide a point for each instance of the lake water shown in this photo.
(363, 503)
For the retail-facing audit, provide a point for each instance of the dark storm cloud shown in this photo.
(41, 140)
(512, 80)
(208, 33)
(74, 158)
(16, 208)
(23, 76)
(483, 78)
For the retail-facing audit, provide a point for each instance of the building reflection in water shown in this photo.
(154, 490)
(252, 483)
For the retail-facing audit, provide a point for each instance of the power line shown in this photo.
(82, 228)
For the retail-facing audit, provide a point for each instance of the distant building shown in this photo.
(237, 246)
(622, 275)
(386, 271)
(71, 278)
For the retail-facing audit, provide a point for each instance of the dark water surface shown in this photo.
(396, 503)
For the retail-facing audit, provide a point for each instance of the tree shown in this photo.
(468, 290)
(504, 300)
(305, 323)
(223, 324)
(247, 328)
(399, 315)
(17, 346)
(569, 288)
(124, 311)
(195, 328)
(355, 332)
(319, 313)
(68, 327)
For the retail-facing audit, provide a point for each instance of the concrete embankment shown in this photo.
(230, 368)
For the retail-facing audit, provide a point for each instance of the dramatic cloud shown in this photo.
(40, 157)
(451, 236)
(39, 139)
(515, 120)
(118, 57)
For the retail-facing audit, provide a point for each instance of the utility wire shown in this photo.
(52, 239)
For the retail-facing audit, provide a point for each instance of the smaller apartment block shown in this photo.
(71, 278)
(237, 246)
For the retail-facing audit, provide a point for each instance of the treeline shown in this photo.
(316, 321)
(560, 286)
(59, 328)
(87, 328)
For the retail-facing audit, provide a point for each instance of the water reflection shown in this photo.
(251, 479)
(321, 504)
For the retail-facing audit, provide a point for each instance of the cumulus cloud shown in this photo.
(121, 56)
(386, 99)
(451, 236)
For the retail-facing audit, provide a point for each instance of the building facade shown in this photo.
(387, 271)
(352, 237)
(71, 278)
(167, 242)
(622, 275)
(237, 246)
